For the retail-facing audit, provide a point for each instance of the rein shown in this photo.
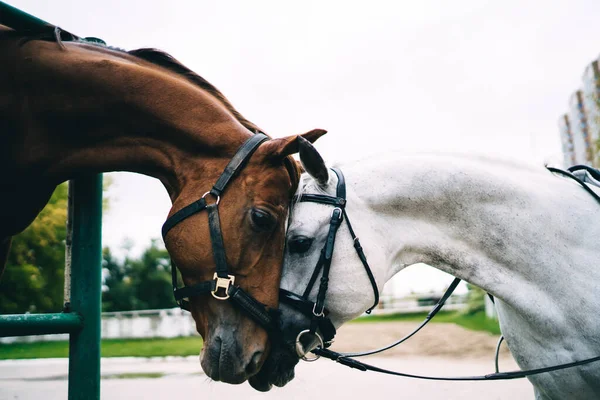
(348, 360)
(222, 286)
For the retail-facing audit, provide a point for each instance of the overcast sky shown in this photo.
(469, 76)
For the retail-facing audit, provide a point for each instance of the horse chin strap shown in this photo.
(316, 311)
(348, 360)
(222, 286)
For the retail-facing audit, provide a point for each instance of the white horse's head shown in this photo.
(308, 228)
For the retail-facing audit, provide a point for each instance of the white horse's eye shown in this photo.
(299, 244)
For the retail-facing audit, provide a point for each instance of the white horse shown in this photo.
(526, 236)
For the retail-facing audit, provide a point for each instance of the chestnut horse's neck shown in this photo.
(85, 108)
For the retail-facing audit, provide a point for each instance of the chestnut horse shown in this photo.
(70, 108)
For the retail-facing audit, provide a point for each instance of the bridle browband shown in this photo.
(222, 286)
(316, 311)
(348, 360)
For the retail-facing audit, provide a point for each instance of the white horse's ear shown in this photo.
(312, 161)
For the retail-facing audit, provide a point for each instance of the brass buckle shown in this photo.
(223, 283)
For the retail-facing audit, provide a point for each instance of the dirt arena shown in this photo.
(440, 340)
(440, 349)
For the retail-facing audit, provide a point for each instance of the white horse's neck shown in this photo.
(524, 235)
(497, 225)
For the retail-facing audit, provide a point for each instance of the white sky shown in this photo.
(470, 76)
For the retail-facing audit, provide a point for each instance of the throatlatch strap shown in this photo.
(363, 259)
(236, 163)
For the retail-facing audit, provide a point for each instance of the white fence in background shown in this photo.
(167, 323)
(418, 303)
(174, 322)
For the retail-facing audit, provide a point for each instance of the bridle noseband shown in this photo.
(316, 311)
(222, 286)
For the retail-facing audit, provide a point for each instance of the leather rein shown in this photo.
(222, 286)
(348, 359)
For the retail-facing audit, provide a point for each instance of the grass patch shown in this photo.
(155, 347)
(189, 346)
(135, 375)
(476, 322)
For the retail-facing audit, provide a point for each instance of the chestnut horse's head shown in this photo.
(251, 211)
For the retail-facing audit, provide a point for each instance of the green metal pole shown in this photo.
(39, 324)
(20, 20)
(86, 272)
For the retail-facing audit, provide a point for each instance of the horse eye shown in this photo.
(299, 244)
(262, 220)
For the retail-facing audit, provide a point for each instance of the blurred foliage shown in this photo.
(34, 274)
(33, 280)
(475, 300)
(138, 284)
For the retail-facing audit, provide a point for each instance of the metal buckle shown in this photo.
(218, 197)
(223, 283)
(319, 315)
(341, 213)
(300, 349)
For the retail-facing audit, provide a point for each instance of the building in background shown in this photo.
(566, 139)
(580, 128)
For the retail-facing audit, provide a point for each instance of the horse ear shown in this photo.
(285, 146)
(312, 162)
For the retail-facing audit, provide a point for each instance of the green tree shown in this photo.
(475, 299)
(118, 294)
(138, 284)
(34, 275)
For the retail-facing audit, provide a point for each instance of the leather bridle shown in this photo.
(348, 359)
(222, 286)
(316, 311)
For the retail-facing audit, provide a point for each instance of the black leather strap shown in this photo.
(568, 174)
(182, 214)
(260, 313)
(363, 259)
(196, 290)
(314, 276)
(216, 239)
(238, 162)
(341, 184)
(322, 199)
(349, 362)
(334, 224)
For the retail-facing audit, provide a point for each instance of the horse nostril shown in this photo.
(252, 367)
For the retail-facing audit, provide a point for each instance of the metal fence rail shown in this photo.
(81, 318)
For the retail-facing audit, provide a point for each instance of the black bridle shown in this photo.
(348, 360)
(222, 286)
(316, 311)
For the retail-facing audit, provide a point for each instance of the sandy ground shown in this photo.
(441, 349)
(444, 340)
